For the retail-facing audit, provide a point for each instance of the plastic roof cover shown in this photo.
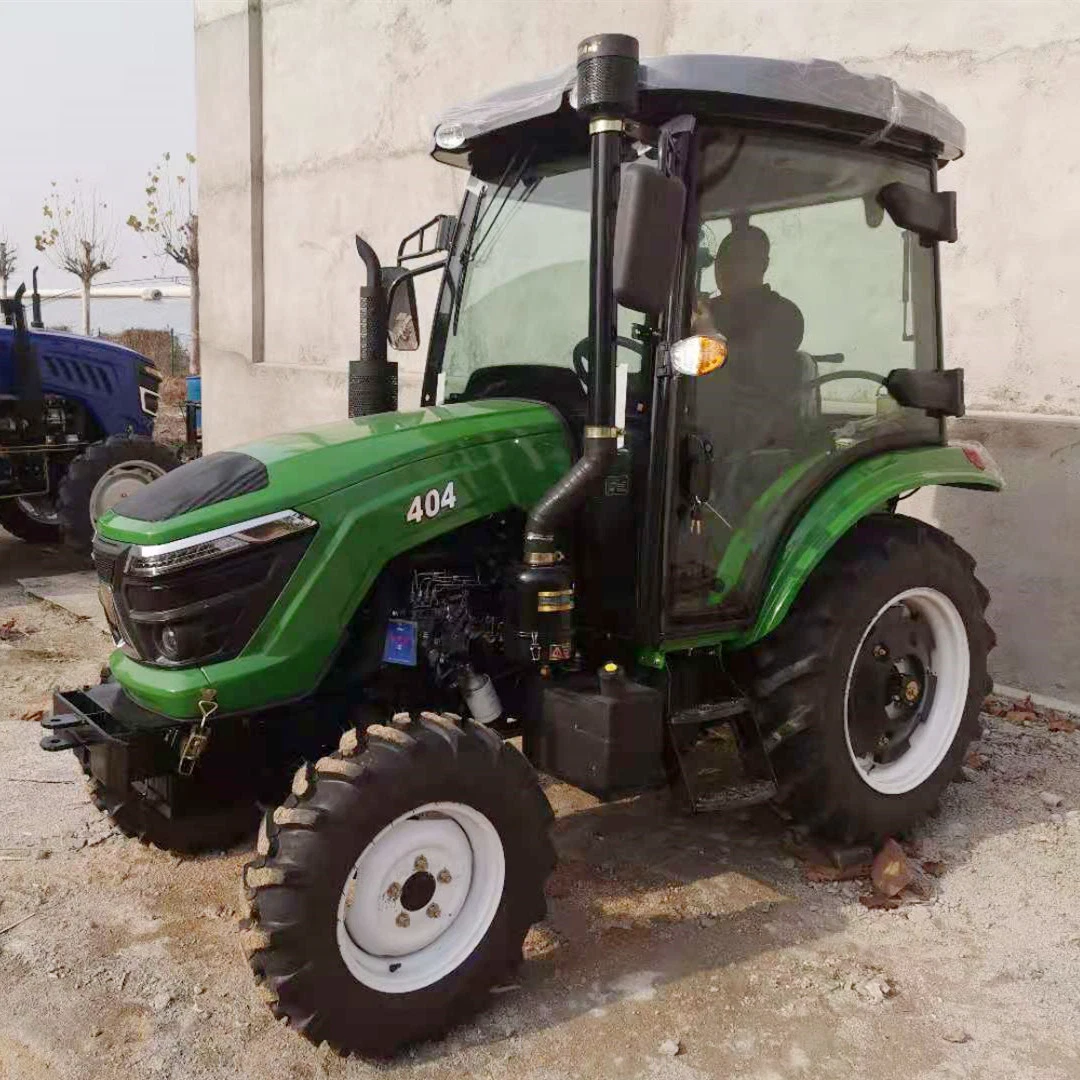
(818, 83)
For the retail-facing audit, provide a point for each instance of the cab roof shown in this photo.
(816, 94)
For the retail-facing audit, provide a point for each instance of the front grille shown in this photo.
(105, 565)
(107, 555)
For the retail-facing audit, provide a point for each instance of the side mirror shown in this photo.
(402, 321)
(940, 393)
(648, 237)
(931, 215)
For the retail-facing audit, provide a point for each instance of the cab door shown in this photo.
(819, 297)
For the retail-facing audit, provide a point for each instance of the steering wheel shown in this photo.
(832, 376)
(583, 358)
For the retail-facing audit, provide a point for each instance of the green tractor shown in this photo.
(685, 361)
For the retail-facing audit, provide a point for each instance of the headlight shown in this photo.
(199, 600)
(149, 379)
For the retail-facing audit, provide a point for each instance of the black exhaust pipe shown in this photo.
(25, 364)
(35, 305)
(372, 377)
(607, 93)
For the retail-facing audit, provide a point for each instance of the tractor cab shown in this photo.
(796, 332)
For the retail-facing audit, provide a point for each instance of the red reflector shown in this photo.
(973, 455)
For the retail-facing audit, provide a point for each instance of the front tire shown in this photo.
(397, 883)
(101, 477)
(869, 693)
(137, 813)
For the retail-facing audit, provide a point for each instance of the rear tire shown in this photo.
(482, 812)
(855, 759)
(26, 527)
(121, 462)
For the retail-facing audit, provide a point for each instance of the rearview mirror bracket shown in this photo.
(433, 236)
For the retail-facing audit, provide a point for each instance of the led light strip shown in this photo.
(149, 550)
(154, 560)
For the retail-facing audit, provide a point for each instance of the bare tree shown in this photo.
(8, 263)
(171, 227)
(79, 237)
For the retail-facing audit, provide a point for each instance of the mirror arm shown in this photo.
(422, 252)
(408, 275)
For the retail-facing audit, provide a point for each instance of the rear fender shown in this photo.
(860, 490)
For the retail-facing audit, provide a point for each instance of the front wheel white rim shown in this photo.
(931, 741)
(421, 897)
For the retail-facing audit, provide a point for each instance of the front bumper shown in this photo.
(116, 740)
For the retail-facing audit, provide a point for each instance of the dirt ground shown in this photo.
(118, 960)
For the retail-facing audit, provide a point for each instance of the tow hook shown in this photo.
(197, 739)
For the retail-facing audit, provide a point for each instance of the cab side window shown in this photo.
(819, 296)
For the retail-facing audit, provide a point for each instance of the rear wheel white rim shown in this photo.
(421, 897)
(951, 668)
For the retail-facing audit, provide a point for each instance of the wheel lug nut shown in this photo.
(444, 877)
(403, 919)
(433, 911)
(394, 891)
(420, 865)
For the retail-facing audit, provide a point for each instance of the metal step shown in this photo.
(711, 766)
(709, 712)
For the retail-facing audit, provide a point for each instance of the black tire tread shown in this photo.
(137, 818)
(17, 522)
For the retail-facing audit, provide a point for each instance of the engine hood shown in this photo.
(293, 469)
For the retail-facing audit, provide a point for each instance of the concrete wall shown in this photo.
(314, 119)
(1025, 543)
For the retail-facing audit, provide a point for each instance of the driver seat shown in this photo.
(558, 387)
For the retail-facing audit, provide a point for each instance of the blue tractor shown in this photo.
(76, 425)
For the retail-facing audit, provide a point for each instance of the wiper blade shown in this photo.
(470, 251)
(465, 257)
(507, 189)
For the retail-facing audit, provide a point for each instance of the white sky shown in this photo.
(95, 90)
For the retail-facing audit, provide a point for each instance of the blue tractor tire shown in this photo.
(30, 521)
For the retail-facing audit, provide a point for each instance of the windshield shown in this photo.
(524, 283)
